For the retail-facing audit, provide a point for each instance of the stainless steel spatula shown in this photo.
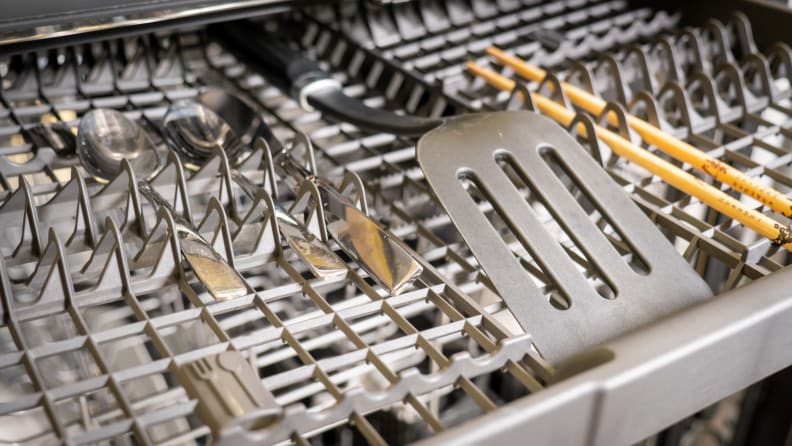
(559, 226)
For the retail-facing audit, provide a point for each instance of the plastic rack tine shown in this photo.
(72, 192)
(6, 295)
(678, 98)
(756, 72)
(622, 126)
(309, 203)
(136, 199)
(607, 63)
(49, 283)
(580, 71)
(107, 268)
(120, 193)
(689, 42)
(520, 98)
(672, 67)
(551, 87)
(261, 159)
(644, 105)
(742, 27)
(702, 85)
(743, 96)
(590, 140)
(641, 59)
(721, 41)
(216, 222)
(19, 211)
(779, 55)
(214, 178)
(161, 248)
(172, 176)
(301, 140)
(258, 229)
(352, 187)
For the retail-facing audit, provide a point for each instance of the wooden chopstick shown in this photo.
(671, 174)
(667, 143)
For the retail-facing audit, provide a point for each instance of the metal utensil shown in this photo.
(495, 155)
(311, 86)
(104, 139)
(194, 131)
(360, 236)
(452, 150)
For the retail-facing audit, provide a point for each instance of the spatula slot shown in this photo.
(599, 218)
(501, 225)
(555, 225)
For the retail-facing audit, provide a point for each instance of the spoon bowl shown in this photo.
(106, 137)
(194, 131)
(241, 116)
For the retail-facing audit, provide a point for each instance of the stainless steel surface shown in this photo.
(386, 259)
(194, 130)
(389, 262)
(379, 253)
(686, 361)
(106, 138)
(112, 19)
(99, 313)
(527, 168)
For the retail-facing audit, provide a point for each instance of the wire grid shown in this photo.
(709, 86)
(100, 312)
(101, 393)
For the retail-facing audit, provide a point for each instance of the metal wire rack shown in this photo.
(99, 313)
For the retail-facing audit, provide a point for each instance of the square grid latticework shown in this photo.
(707, 85)
(99, 313)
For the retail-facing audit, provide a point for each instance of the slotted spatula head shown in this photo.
(573, 258)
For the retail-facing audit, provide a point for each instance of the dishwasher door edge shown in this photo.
(656, 376)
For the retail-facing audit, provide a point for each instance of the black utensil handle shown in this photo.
(286, 68)
(340, 107)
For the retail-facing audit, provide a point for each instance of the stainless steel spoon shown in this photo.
(104, 139)
(360, 236)
(194, 131)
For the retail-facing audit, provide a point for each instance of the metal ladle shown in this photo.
(104, 139)
(385, 259)
(194, 131)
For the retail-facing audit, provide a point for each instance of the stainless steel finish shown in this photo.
(387, 260)
(688, 362)
(105, 139)
(628, 285)
(194, 130)
(128, 20)
(99, 311)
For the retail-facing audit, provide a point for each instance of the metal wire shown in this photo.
(98, 312)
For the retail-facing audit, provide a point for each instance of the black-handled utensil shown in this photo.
(303, 79)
